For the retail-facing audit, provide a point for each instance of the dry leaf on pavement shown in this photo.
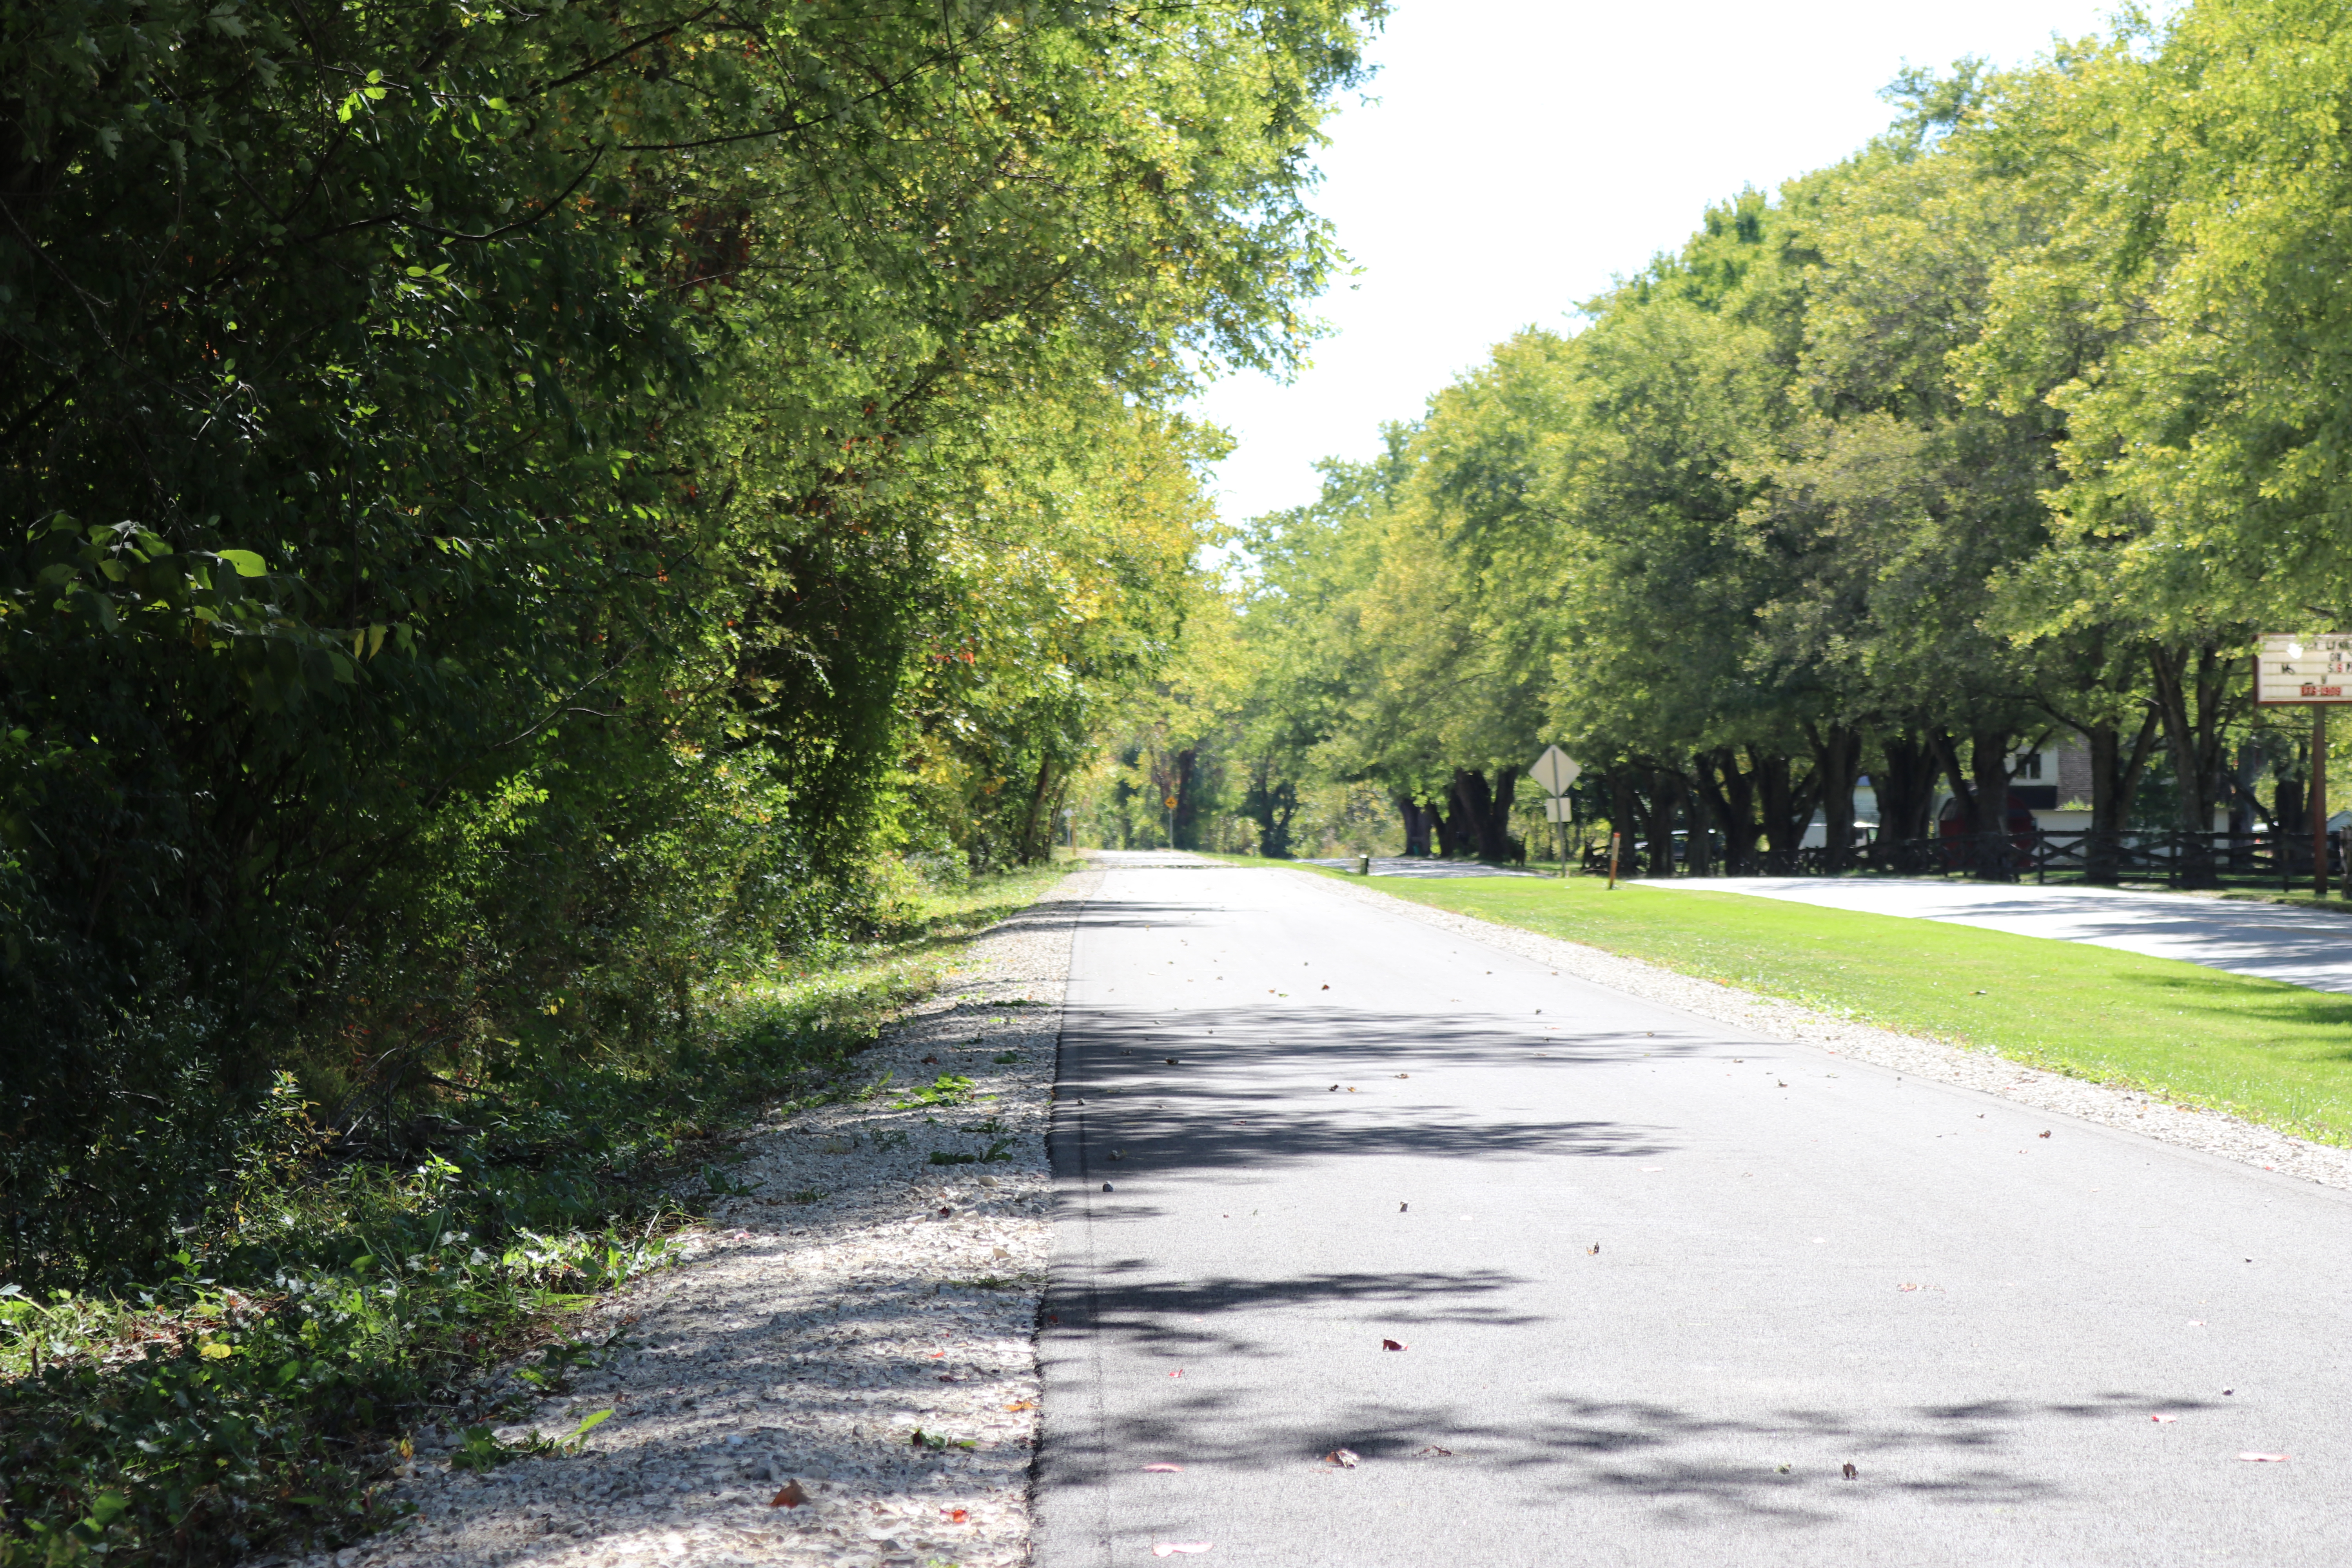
(1850, 1471)
(1343, 1458)
(1163, 1470)
(1170, 1548)
(1391, 1344)
(793, 1496)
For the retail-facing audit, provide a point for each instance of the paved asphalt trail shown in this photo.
(1804, 1262)
(2271, 942)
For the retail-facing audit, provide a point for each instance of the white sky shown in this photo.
(1521, 153)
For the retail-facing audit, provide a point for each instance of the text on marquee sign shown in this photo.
(2308, 668)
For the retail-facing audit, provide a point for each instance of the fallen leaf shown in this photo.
(945, 1211)
(1335, 1089)
(1326, 988)
(791, 1496)
(1402, 1207)
(930, 1061)
(1178, 1372)
(1907, 1286)
(1850, 1472)
(1170, 1548)
(2263, 1458)
(1433, 1449)
(1173, 1062)
(956, 1515)
(2161, 1419)
(1018, 1406)
(1162, 1469)
(1404, 1075)
(1343, 1458)
(1593, 1250)
(1351, 1088)
(1390, 1345)
(2045, 1135)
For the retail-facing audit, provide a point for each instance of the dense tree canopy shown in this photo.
(2013, 425)
(512, 509)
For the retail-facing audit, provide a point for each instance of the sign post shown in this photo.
(1555, 770)
(2312, 671)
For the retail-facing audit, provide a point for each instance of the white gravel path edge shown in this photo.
(857, 1295)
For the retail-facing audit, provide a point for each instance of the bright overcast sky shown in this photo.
(1523, 153)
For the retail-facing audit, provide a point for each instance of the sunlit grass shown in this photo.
(2273, 1052)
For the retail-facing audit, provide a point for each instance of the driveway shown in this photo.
(2274, 942)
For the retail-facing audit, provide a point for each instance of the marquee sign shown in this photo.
(2304, 669)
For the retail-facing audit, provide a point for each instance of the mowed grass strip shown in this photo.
(2270, 1052)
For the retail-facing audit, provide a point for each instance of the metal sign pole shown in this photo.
(2313, 670)
(2318, 800)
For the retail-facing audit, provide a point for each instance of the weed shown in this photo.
(950, 1088)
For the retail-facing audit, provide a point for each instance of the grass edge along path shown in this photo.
(253, 1393)
(2269, 1052)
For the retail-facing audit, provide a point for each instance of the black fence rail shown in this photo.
(2183, 859)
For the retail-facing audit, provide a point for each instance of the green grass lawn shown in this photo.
(2273, 1052)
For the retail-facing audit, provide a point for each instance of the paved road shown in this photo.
(1803, 1263)
(1398, 866)
(2275, 941)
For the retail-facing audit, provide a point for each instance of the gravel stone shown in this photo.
(2109, 1105)
(808, 1340)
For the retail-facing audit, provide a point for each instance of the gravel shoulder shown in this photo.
(859, 1294)
(2134, 1111)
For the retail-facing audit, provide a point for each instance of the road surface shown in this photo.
(1657, 1283)
(2274, 942)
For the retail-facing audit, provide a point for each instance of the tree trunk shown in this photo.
(1029, 849)
(1484, 812)
(1729, 794)
(2292, 813)
(1906, 785)
(1989, 760)
(1417, 825)
(1622, 810)
(2192, 696)
(1698, 848)
(1184, 831)
(1837, 763)
(1272, 806)
(1665, 794)
(1786, 806)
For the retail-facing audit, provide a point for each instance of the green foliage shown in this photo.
(248, 1395)
(513, 511)
(2016, 423)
